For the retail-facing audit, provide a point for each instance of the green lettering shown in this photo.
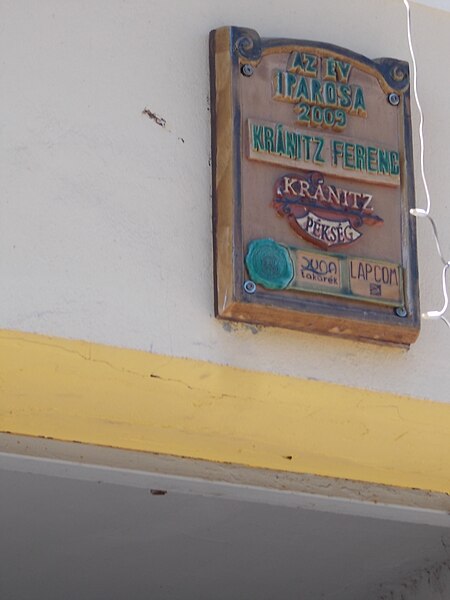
(395, 163)
(336, 151)
(257, 137)
(311, 64)
(360, 158)
(330, 93)
(278, 84)
(302, 90)
(291, 80)
(345, 96)
(318, 158)
(330, 69)
(307, 144)
(343, 70)
(384, 165)
(280, 140)
(349, 156)
(359, 105)
(372, 166)
(291, 144)
(295, 63)
(268, 139)
(316, 92)
(299, 136)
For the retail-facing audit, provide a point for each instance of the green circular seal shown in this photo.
(269, 264)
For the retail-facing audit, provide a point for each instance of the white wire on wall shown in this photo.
(421, 212)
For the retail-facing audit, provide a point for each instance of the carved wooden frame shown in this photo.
(230, 49)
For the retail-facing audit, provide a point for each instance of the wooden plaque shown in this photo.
(312, 188)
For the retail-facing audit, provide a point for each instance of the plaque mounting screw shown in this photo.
(249, 287)
(394, 99)
(247, 70)
(401, 311)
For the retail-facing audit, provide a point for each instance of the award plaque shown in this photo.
(312, 188)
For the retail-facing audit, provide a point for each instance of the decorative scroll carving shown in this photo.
(395, 72)
(247, 44)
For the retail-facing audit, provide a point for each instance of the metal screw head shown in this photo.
(401, 311)
(394, 99)
(247, 70)
(249, 287)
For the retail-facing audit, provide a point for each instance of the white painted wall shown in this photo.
(105, 217)
(440, 4)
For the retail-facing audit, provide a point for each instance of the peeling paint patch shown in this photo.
(240, 327)
(253, 328)
(154, 117)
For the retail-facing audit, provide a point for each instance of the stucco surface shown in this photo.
(440, 4)
(105, 216)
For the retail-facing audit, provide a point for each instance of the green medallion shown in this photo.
(269, 264)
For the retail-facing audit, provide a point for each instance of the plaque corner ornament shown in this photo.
(246, 44)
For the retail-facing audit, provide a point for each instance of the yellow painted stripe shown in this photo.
(72, 390)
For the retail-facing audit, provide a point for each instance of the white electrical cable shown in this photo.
(420, 212)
